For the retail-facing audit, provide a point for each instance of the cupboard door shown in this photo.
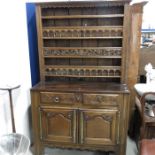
(58, 125)
(99, 127)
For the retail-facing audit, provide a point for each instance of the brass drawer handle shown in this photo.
(56, 99)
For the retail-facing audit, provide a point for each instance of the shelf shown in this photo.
(71, 28)
(84, 57)
(74, 48)
(112, 37)
(82, 67)
(82, 36)
(83, 16)
(83, 71)
(82, 76)
(99, 52)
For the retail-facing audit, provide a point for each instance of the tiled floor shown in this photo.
(131, 150)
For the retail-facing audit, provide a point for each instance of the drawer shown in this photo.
(57, 98)
(101, 99)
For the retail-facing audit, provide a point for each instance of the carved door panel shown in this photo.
(58, 125)
(99, 127)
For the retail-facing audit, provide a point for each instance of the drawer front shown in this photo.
(57, 98)
(101, 99)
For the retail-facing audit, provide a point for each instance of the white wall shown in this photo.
(148, 15)
(14, 65)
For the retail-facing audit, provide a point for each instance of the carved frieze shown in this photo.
(68, 115)
(71, 33)
(83, 52)
(83, 72)
(103, 116)
(104, 3)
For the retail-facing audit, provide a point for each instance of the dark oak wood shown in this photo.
(58, 125)
(101, 99)
(77, 33)
(82, 101)
(80, 115)
(78, 86)
(99, 127)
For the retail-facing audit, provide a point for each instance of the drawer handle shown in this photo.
(56, 99)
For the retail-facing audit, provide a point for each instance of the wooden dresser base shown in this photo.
(91, 116)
